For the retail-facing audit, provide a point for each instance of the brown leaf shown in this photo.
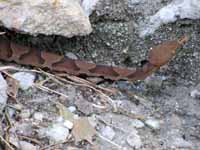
(83, 130)
(13, 86)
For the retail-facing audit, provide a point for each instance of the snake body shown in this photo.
(158, 56)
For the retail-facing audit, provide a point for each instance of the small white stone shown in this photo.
(195, 93)
(25, 113)
(59, 119)
(153, 123)
(108, 132)
(71, 55)
(76, 116)
(72, 108)
(88, 6)
(26, 80)
(68, 124)
(26, 146)
(38, 116)
(137, 123)
(134, 140)
(57, 133)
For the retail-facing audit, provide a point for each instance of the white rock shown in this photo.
(26, 80)
(195, 93)
(38, 116)
(3, 91)
(57, 132)
(88, 6)
(108, 132)
(59, 119)
(72, 108)
(134, 140)
(76, 116)
(71, 55)
(27, 146)
(182, 9)
(60, 17)
(68, 124)
(153, 123)
(25, 113)
(137, 123)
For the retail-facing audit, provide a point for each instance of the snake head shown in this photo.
(163, 53)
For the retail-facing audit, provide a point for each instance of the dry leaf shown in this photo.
(13, 86)
(83, 130)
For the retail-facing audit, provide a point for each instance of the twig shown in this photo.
(130, 114)
(109, 141)
(17, 69)
(7, 143)
(89, 85)
(82, 82)
(53, 145)
(30, 139)
(44, 88)
(78, 82)
(111, 125)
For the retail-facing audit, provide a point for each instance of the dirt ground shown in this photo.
(159, 113)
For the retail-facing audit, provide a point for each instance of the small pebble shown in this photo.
(195, 94)
(57, 132)
(25, 113)
(26, 80)
(68, 124)
(137, 123)
(71, 55)
(59, 119)
(38, 116)
(26, 146)
(153, 123)
(72, 108)
(108, 132)
(134, 140)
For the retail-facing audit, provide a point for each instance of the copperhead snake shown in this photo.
(158, 56)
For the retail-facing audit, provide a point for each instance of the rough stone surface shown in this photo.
(175, 102)
(108, 132)
(3, 92)
(178, 9)
(88, 6)
(63, 17)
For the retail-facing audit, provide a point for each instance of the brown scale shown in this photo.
(158, 56)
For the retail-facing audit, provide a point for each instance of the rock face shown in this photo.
(177, 9)
(58, 17)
